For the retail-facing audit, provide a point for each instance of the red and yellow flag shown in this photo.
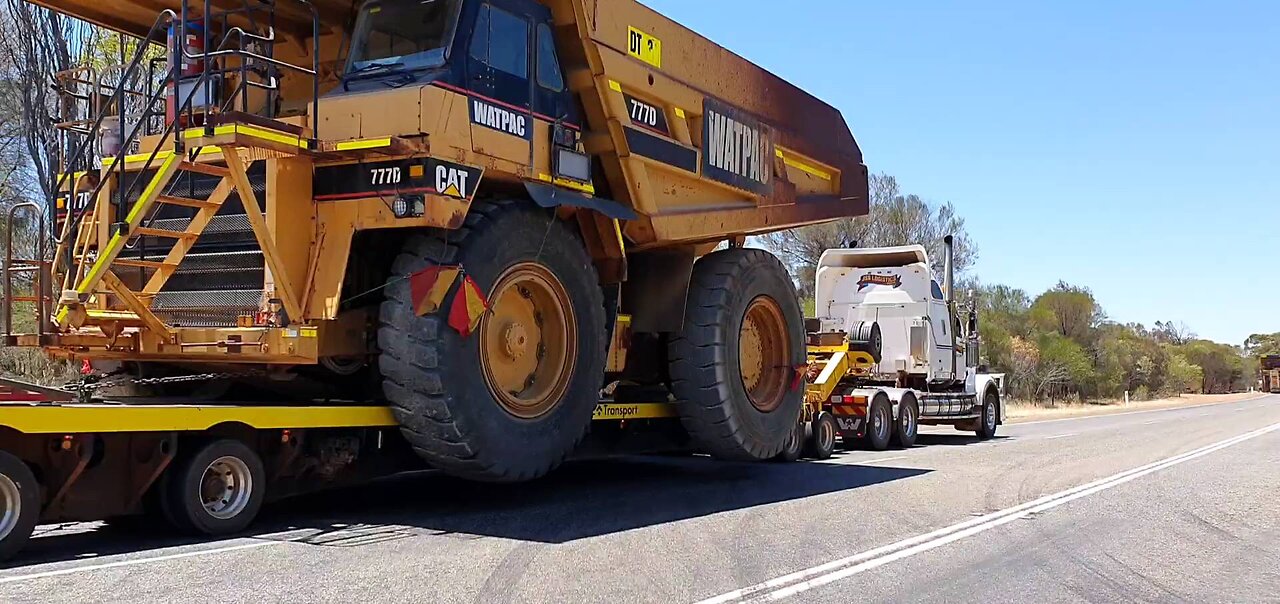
(469, 306)
(429, 286)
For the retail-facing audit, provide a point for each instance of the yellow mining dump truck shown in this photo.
(478, 214)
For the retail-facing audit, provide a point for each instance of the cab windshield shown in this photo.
(403, 34)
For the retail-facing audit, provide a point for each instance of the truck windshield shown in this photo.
(403, 34)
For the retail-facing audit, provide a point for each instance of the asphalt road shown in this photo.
(1171, 505)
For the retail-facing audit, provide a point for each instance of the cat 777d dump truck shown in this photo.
(479, 213)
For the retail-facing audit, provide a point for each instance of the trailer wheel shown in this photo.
(990, 415)
(794, 446)
(733, 368)
(19, 504)
(907, 427)
(820, 441)
(879, 423)
(511, 401)
(216, 490)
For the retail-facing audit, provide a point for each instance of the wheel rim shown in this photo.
(909, 421)
(527, 341)
(10, 505)
(764, 351)
(880, 425)
(226, 487)
(991, 416)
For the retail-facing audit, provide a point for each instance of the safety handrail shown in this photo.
(166, 17)
(38, 265)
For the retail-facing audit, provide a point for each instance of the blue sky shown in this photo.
(1131, 147)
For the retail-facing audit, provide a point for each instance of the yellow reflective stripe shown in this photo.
(261, 133)
(617, 230)
(589, 189)
(613, 411)
(372, 143)
(71, 419)
(139, 157)
(797, 164)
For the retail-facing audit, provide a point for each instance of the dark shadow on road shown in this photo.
(583, 499)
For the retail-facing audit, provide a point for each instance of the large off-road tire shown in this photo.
(733, 369)
(215, 489)
(509, 402)
(19, 505)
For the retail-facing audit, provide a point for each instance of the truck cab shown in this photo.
(503, 51)
(893, 287)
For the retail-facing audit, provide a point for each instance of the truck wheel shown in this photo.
(907, 428)
(509, 402)
(794, 446)
(733, 369)
(19, 504)
(990, 414)
(821, 436)
(216, 490)
(879, 423)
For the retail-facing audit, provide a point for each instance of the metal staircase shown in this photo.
(175, 236)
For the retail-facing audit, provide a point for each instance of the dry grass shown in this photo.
(31, 365)
(1021, 411)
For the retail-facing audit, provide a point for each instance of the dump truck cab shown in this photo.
(504, 51)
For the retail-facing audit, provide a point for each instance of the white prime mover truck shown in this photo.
(888, 350)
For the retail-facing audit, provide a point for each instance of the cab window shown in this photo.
(937, 291)
(501, 40)
(549, 75)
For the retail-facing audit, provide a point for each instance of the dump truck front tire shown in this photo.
(734, 367)
(511, 401)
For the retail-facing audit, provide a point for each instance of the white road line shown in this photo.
(1060, 435)
(136, 561)
(880, 460)
(1067, 419)
(804, 580)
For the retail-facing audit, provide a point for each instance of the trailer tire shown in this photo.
(19, 504)
(907, 426)
(820, 441)
(510, 402)
(733, 368)
(879, 423)
(990, 415)
(794, 446)
(217, 489)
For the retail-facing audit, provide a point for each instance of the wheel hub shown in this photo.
(515, 341)
(528, 341)
(226, 487)
(10, 505)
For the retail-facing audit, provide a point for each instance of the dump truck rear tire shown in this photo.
(734, 367)
(19, 505)
(511, 401)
